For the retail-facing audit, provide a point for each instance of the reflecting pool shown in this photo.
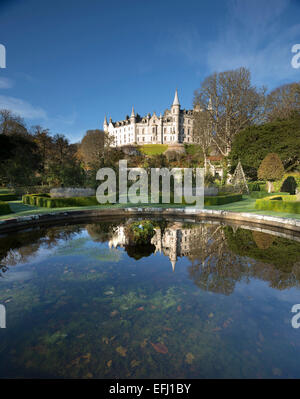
(200, 300)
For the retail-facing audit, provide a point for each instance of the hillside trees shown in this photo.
(35, 157)
(252, 144)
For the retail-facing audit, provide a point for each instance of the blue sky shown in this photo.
(70, 62)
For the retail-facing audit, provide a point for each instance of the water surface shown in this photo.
(202, 300)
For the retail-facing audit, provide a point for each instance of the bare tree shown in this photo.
(232, 104)
(283, 102)
(202, 132)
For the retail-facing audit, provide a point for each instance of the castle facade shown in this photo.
(173, 127)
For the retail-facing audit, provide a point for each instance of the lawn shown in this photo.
(153, 149)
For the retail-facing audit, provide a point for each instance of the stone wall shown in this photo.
(67, 192)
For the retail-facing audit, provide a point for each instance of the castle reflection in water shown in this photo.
(174, 241)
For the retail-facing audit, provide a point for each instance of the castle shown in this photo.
(174, 127)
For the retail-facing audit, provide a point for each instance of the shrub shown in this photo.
(4, 208)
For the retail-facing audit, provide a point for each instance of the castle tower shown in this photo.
(105, 124)
(132, 122)
(160, 130)
(175, 110)
(173, 248)
(132, 116)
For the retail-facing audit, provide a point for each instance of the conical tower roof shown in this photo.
(132, 112)
(176, 100)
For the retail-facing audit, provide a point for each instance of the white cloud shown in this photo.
(251, 34)
(254, 37)
(22, 108)
(6, 83)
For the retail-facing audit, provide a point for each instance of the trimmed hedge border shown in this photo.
(263, 194)
(278, 204)
(222, 199)
(46, 201)
(9, 197)
(4, 208)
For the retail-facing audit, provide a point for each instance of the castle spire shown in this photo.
(105, 120)
(176, 100)
(173, 262)
(132, 112)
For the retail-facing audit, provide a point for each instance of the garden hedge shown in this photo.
(8, 197)
(46, 201)
(263, 194)
(4, 208)
(222, 199)
(257, 186)
(278, 204)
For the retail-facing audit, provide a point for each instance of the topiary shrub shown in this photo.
(271, 169)
(289, 185)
